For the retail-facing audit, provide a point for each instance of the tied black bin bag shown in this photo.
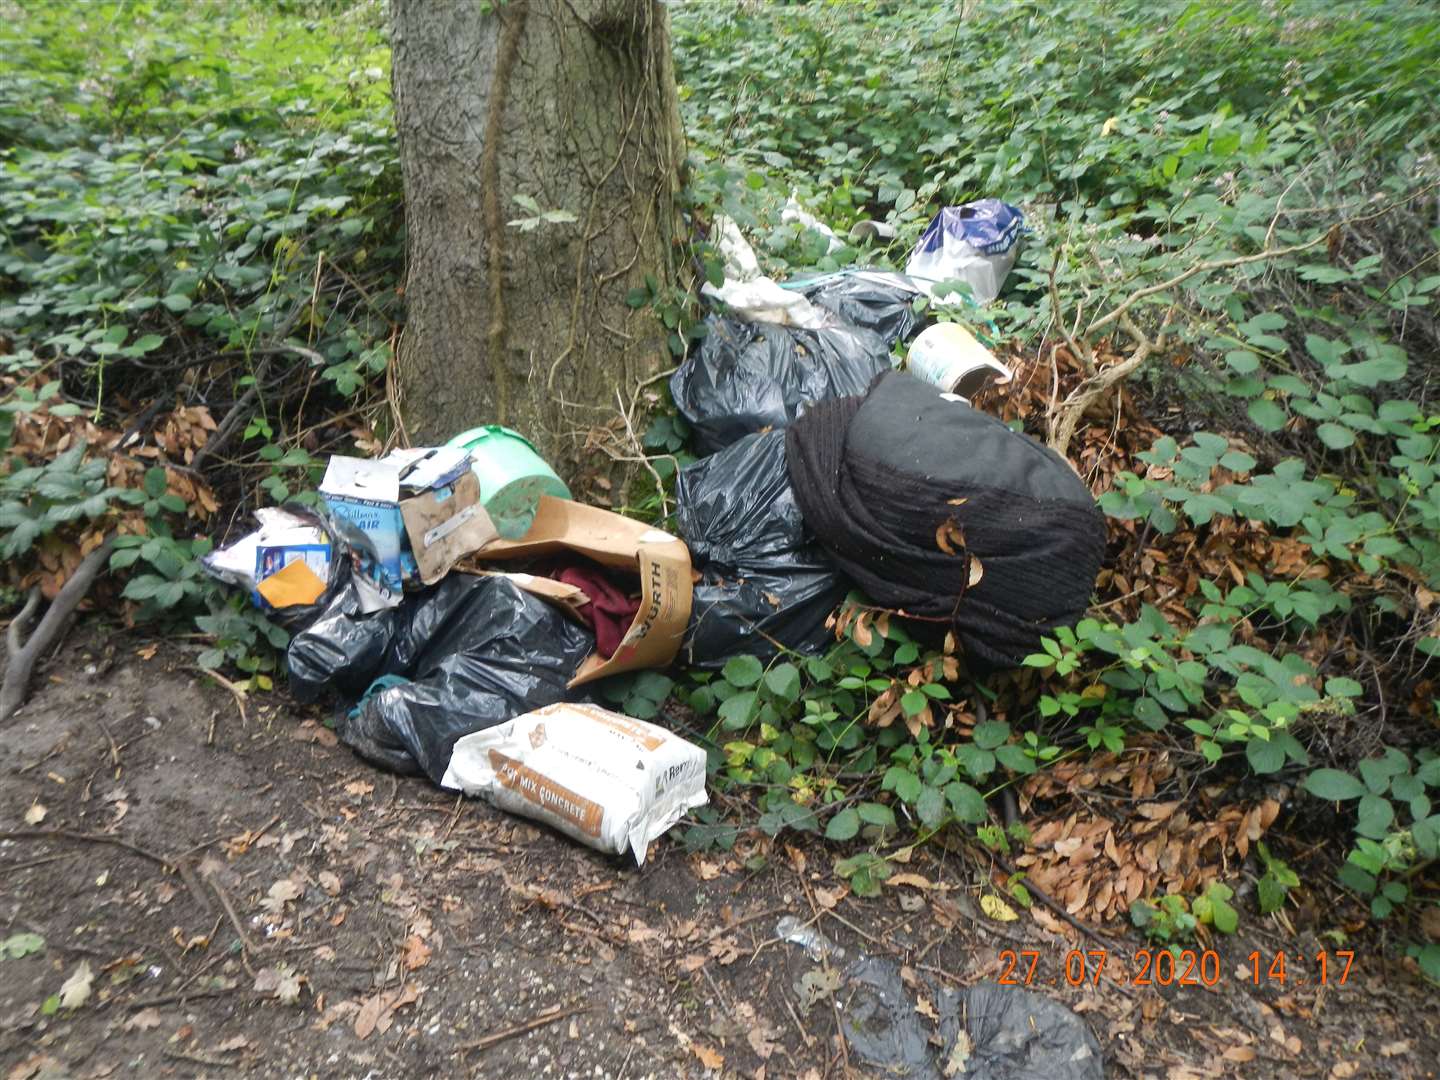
(475, 651)
(763, 578)
(875, 300)
(748, 377)
(879, 476)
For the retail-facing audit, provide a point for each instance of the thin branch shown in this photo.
(1199, 268)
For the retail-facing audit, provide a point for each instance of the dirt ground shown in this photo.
(250, 899)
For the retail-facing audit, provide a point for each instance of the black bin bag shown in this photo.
(476, 651)
(875, 300)
(747, 377)
(762, 576)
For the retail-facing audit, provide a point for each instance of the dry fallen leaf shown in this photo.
(959, 1055)
(75, 991)
(312, 732)
(950, 538)
(417, 953)
(330, 882)
(235, 1042)
(359, 788)
(144, 1020)
(711, 1059)
(1239, 1054)
(706, 871)
(35, 814)
(916, 881)
(692, 963)
(997, 909)
(760, 1041)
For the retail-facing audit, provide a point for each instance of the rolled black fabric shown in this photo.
(878, 476)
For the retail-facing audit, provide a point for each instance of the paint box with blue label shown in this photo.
(419, 508)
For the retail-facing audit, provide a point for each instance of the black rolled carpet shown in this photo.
(878, 477)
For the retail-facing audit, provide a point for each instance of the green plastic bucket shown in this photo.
(512, 476)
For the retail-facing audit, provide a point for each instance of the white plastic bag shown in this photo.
(976, 243)
(762, 299)
(610, 781)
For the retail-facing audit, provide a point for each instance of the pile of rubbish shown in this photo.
(460, 606)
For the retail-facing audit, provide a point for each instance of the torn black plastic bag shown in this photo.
(748, 377)
(875, 300)
(477, 650)
(763, 579)
(985, 1031)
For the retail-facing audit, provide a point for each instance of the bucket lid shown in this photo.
(476, 435)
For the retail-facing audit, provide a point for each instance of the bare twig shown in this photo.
(539, 1020)
(22, 660)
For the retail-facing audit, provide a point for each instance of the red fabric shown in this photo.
(610, 611)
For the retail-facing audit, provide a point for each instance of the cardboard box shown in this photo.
(420, 508)
(661, 560)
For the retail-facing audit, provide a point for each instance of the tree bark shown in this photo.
(571, 103)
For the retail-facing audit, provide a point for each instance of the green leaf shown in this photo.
(930, 806)
(177, 302)
(1335, 436)
(743, 671)
(1333, 785)
(874, 813)
(968, 804)
(783, 680)
(913, 702)
(990, 734)
(1343, 687)
(902, 782)
(844, 825)
(1376, 815)
(1264, 756)
(18, 945)
(739, 710)
(1264, 413)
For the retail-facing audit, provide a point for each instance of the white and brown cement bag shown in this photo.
(610, 781)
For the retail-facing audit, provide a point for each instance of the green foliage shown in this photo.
(1275, 884)
(1167, 919)
(19, 945)
(176, 182)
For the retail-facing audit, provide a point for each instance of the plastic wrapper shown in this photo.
(478, 651)
(748, 377)
(609, 781)
(762, 576)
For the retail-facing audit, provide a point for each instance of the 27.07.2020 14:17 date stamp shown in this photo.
(1161, 967)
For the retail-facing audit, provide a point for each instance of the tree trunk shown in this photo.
(570, 103)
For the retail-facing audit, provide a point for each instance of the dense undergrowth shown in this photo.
(201, 221)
